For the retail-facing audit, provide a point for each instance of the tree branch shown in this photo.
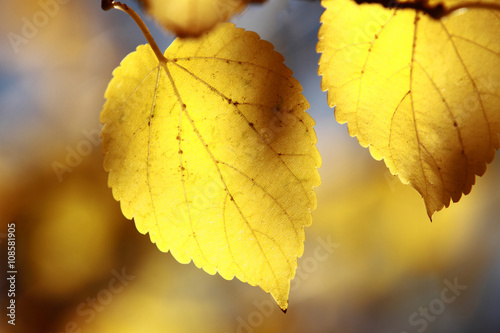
(437, 12)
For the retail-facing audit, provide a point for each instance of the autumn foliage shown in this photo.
(210, 151)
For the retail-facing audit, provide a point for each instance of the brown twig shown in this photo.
(437, 12)
(109, 4)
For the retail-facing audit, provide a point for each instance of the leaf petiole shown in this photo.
(109, 4)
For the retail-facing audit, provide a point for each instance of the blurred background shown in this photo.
(373, 260)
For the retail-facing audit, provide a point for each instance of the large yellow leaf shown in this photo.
(423, 94)
(212, 153)
(193, 17)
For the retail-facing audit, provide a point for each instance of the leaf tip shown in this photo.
(283, 305)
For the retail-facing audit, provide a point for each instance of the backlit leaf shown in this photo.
(212, 153)
(193, 17)
(423, 94)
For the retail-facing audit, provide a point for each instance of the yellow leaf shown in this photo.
(423, 94)
(212, 153)
(194, 17)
